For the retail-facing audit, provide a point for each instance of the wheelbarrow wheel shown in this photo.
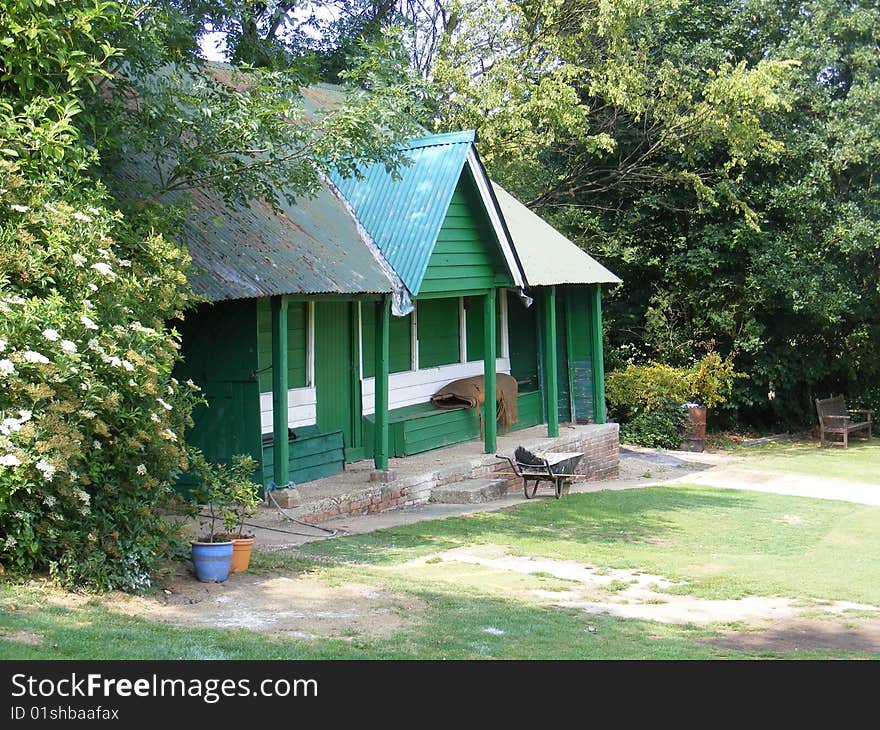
(526, 488)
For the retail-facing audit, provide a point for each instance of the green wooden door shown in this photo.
(333, 369)
(562, 364)
(219, 346)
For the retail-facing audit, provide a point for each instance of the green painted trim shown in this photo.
(383, 325)
(281, 471)
(541, 354)
(552, 397)
(451, 294)
(599, 414)
(490, 408)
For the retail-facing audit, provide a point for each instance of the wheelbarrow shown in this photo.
(556, 468)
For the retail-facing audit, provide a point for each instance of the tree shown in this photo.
(91, 420)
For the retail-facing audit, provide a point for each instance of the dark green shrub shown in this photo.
(661, 427)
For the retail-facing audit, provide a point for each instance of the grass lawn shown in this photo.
(859, 463)
(715, 544)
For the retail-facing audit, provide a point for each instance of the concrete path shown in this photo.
(639, 468)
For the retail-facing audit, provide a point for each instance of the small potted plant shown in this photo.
(227, 495)
(242, 503)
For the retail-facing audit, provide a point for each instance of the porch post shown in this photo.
(598, 355)
(383, 324)
(550, 351)
(490, 411)
(280, 448)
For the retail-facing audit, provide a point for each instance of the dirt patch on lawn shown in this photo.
(772, 624)
(287, 605)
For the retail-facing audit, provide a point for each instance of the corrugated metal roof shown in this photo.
(403, 215)
(244, 252)
(547, 257)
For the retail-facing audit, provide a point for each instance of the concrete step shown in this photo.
(470, 491)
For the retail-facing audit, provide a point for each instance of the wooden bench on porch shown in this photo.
(836, 418)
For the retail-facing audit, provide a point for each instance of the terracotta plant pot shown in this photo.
(241, 553)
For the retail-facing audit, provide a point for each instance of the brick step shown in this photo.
(470, 491)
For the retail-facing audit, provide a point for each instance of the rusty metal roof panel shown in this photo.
(403, 214)
(247, 251)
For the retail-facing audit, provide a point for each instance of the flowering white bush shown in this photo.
(91, 419)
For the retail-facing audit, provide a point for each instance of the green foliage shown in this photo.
(708, 382)
(227, 491)
(660, 427)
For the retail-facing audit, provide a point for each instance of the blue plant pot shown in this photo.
(212, 560)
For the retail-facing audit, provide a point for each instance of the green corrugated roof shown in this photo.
(546, 256)
(403, 215)
(248, 251)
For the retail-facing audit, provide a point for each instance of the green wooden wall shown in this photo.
(439, 332)
(466, 255)
(578, 309)
(219, 345)
(474, 325)
(312, 455)
(400, 341)
(336, 409)
(522, 338)
(297, 342)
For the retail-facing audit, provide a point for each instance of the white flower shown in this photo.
(115, 361)
(9, 460)
(132, 382)
(19, 208)
(92, 287)
(9, 425)
(14, 300)
(46, 469)
(103, 268)
(51, 335)
(169, 435)
(68, 346)
(79, 259)
(6, 367)
(94, 345)
(96, 445)
(125, 263)
(191, 385)
(88, 323)
(73, 475)
(141, 469)
(83, 496)
(162, 403)
(127, 365)
(155, 418)
(3, 344)
(25, 416)
(87, 414)
(49, 500)
(35, 357)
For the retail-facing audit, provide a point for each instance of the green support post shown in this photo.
(383, 325)
(490, 409)
(281, 471)
(550, 369)
(598, 356)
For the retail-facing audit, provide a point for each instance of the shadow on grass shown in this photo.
(636, 515)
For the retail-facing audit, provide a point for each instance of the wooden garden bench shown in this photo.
(836, 418)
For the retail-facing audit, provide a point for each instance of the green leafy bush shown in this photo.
(661, 427)
(648, 399)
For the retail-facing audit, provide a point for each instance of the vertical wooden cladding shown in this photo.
(399, 344)
(475, 331)
(523, 333)
(578, 310)
(439, 332)
(466, 255)
(333, 366)
(297, 343)
(220, 342)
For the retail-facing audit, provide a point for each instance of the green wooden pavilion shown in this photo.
(334, 321)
